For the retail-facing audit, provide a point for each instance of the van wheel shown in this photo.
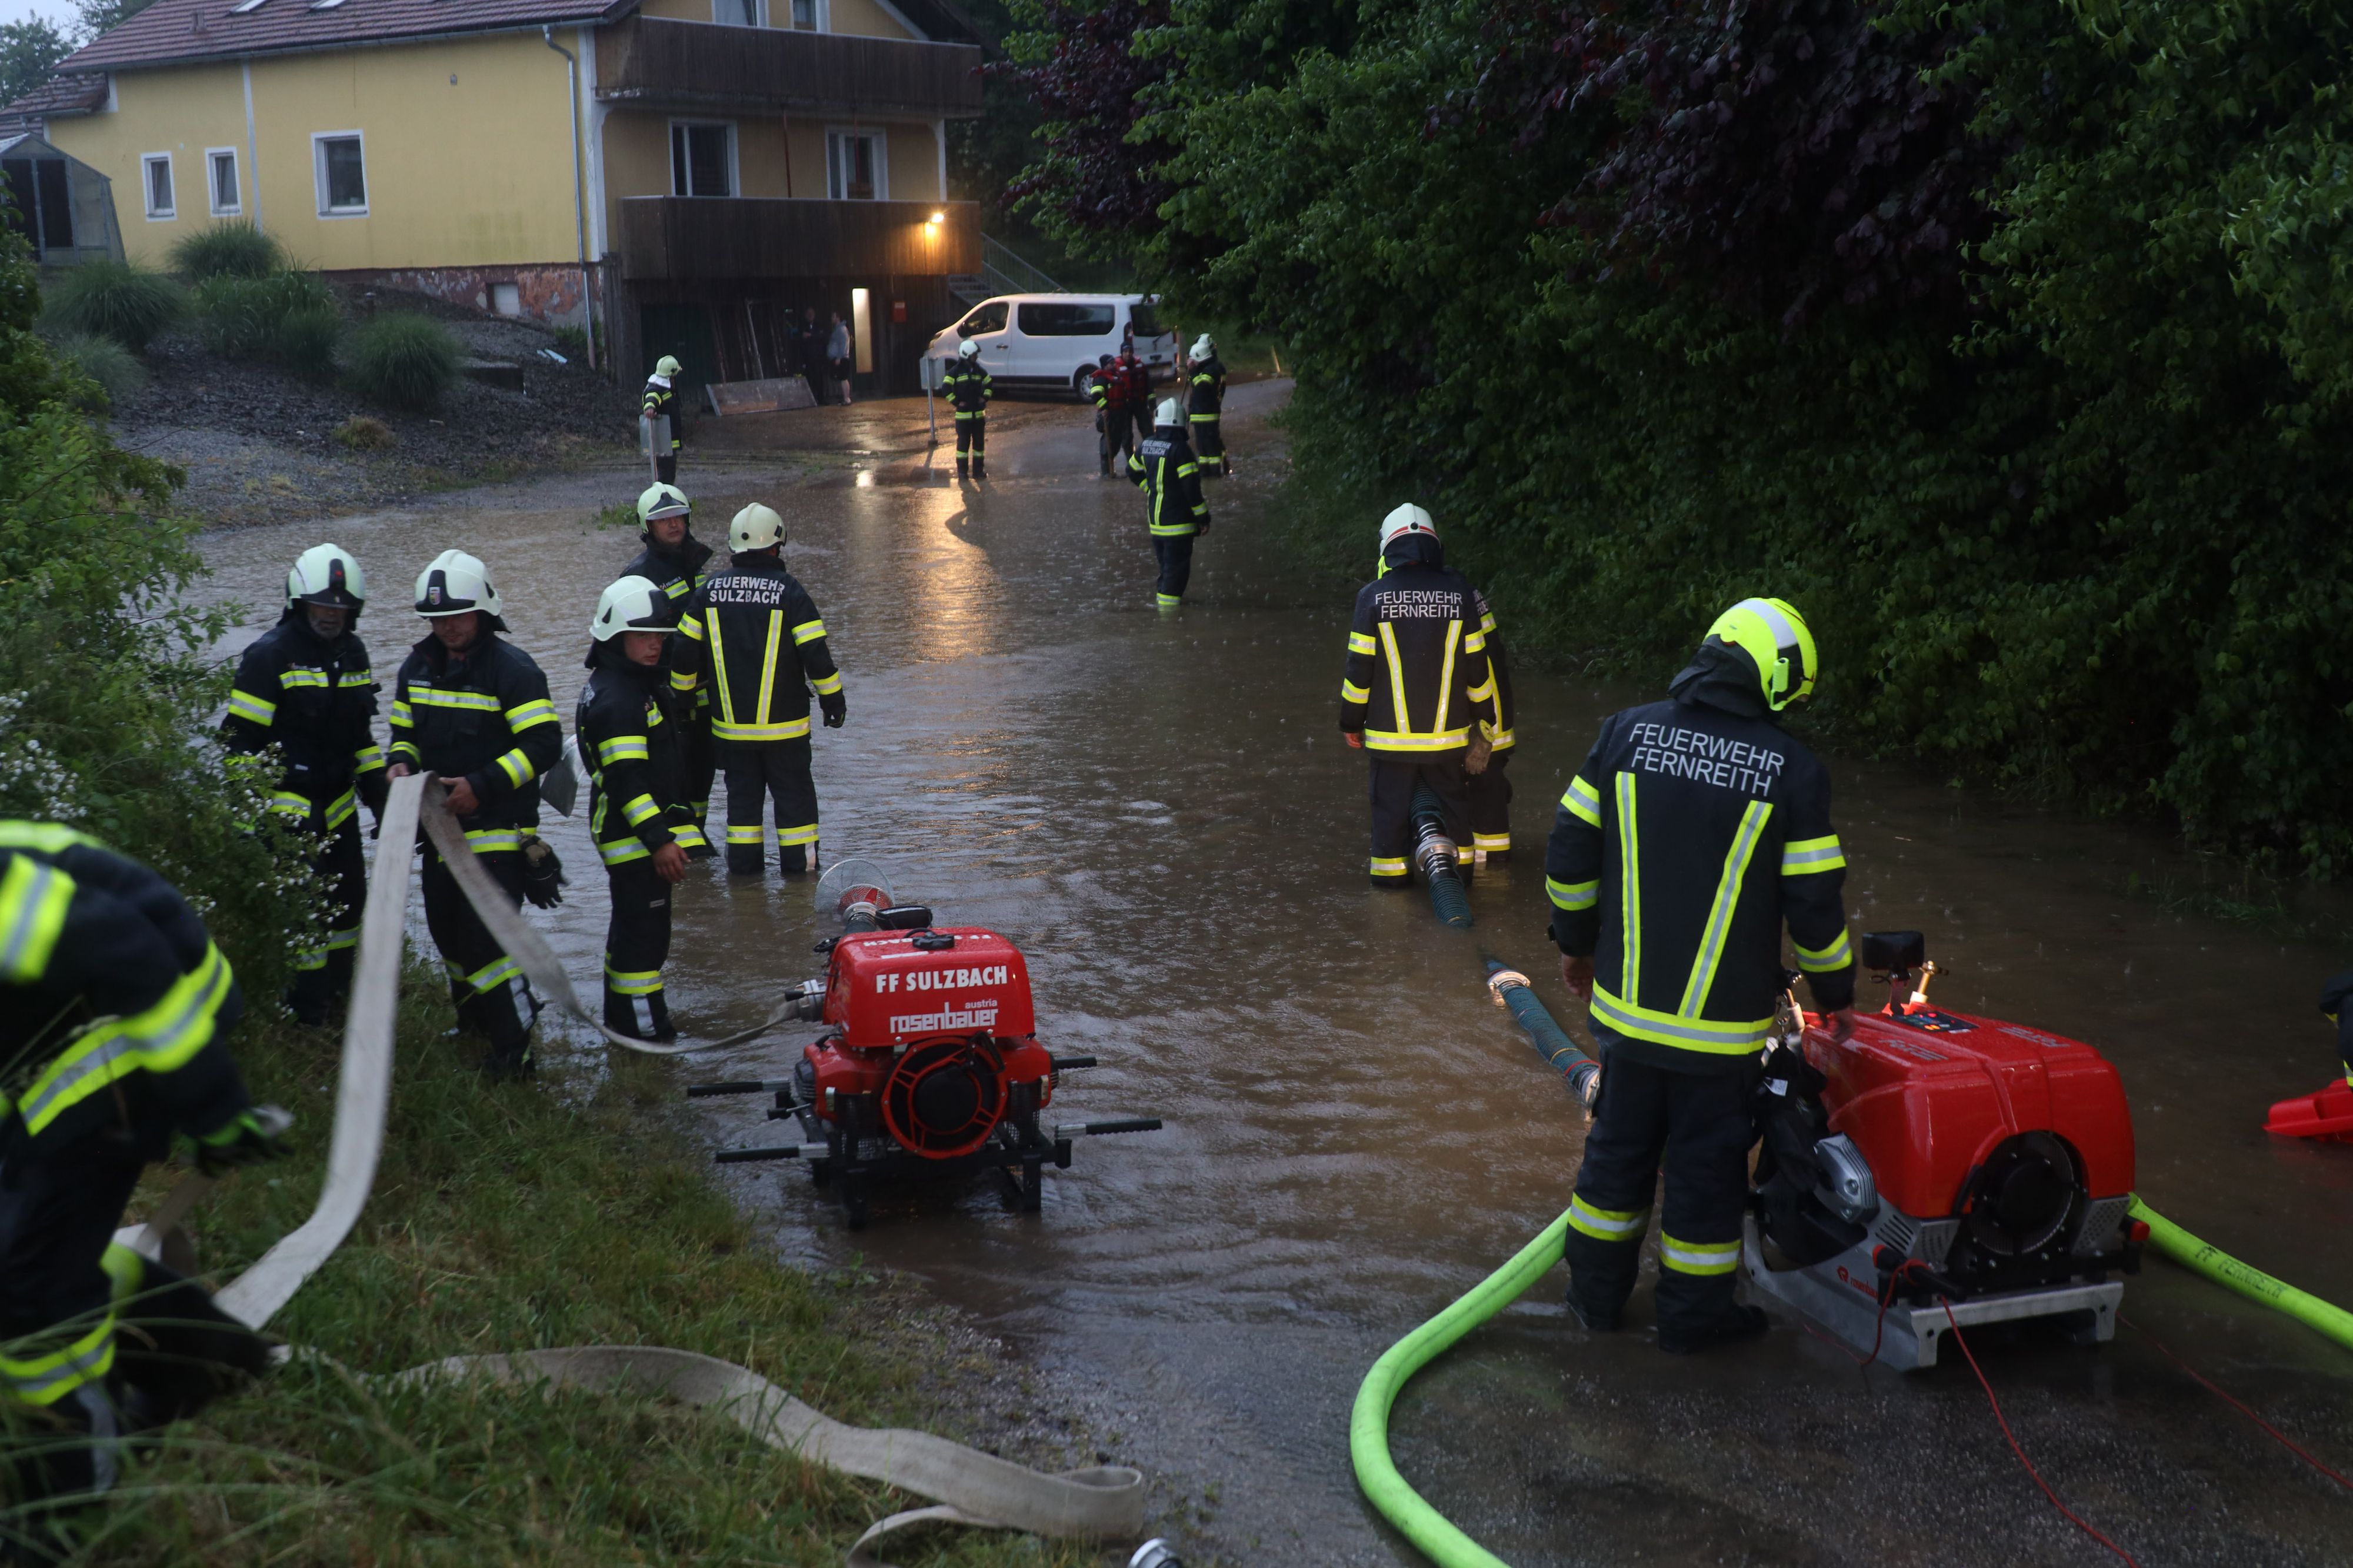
(1078, 379)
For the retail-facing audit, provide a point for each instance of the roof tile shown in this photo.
(171, 31)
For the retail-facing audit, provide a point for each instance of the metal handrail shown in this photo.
(1007, 273)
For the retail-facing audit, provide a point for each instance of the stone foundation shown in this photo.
(545, 292)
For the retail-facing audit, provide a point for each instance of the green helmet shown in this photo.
(1772, 633)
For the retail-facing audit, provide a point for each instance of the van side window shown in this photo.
(988, 317)
(1059, 321)
(1146, 320)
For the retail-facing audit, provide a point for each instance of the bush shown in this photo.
(403, 360)
(362, 433)
(227, 250)
(287, 316)
(573, 343)
(113, 369)
(116, 299)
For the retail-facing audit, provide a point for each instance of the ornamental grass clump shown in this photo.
(289, 317)
(227, 250)
(113, 370)
(116, 299)
(403, 360)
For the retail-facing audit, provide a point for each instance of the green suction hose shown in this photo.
(2203, 1257)
(1368, 1422)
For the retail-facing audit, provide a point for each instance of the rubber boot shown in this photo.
(1733, 1326)
(963, 471)
(795, 859)
(623, 1018)
(979, 466)
(1600, 1277)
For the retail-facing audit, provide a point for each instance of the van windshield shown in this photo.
(1147, 321)
(1058, 320)
(989, 318)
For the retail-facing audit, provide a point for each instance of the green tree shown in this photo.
(29, 53)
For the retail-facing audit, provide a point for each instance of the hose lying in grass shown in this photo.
(972, 1488)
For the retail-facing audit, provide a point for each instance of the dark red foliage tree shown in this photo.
(1079, 62)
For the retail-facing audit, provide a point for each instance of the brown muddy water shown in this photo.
(1158, 810)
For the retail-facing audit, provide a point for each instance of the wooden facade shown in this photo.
(692, 66)
(686, 238)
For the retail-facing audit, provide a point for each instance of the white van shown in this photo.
(1053, 342)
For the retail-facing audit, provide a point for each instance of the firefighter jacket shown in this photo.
(314, 700)
(756, 633)
(1207, 381)
(2334, 997)
(661, 398)
(967, 388)
(676, 572)
(1108, 388)
(112, 999)
(630, 742)
(1499, 664)
(1162, 465)
(1416, 677)
(1694, 830)
(484, 717)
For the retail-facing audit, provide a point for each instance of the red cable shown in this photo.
(2277, 1436)
(2072, 1517)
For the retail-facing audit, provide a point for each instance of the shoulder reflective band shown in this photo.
(809, 631)
(402, 718)
(622, 749)
(1582, 801)
(1362, 642)
(253, 709)
(1629, 890)
(1719, 913)
(524, 715)
(1826, 961)
(48, 838)
(1352, 692)
(33, 898)
(163, 1038)
(1800, 857)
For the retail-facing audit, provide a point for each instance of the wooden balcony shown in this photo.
(664, 64)
(689, 239)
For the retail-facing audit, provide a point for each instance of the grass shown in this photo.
(287, 316)
(115, 369)
(405, 360)
(226, 250)
(2228, 889)
(573, 1210)
(362, 433)
(621, 514)
(114, 300)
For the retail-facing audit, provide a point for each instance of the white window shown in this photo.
(809, 15)
(702, 158)
(338, 165)
(740, 13)
(854, 166)
(506, 299)
(155, 177)
(220, 181)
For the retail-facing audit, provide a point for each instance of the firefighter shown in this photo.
(968, 389)
(2333, 998)
(113, 1005)
(1114, 427)
(660, 401)
(1415, 641)
(673, 559)
(756, 631)
(630, 738)
(1694, 830)
(474, 708)
(1204, 375)
(1138, 378)
(305, 687)
(1161, 466)
(1490, 790)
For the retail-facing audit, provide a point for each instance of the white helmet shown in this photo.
(455, 583)
(1406, 519)
(327, 576)
(1203, 348)
(631, 605)
(661, 500)
(968, 349)
(756, 527)
(1168, 413)
(668, 366)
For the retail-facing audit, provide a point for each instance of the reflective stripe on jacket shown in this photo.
(754, 635)
(1207, 384)
(314, 701)
(637, 768)
(663, 400)
(967, 388)
(1499, 662)
(1416, 676)
(1163, 465)
(1687, 838)
(485, 718)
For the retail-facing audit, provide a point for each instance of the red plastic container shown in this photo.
(2326, 1116)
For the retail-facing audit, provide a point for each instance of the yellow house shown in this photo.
(679, 176)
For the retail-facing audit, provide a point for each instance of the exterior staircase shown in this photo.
(1001, 273)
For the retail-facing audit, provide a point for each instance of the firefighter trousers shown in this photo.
(1699, 1127)
(1175, 554)
(322, 975)
(1116, 439)
(1394, 777)
(636, 945)
(759, 772)
(1491, 807)
(1208, 442)
(493, 998)
(972, 437)
(702, 767)
(666, 467)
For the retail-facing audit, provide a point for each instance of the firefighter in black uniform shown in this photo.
(1694, 830)
(474, 708)
(1415, 641)
(113, 1001)
(1490, 790)
(968, 388)
(661, 402)
(1204, 375)
(2334, 997)
(674, 561)
(305, 687)
(757, 632)
(630, 737)
(1174, 508)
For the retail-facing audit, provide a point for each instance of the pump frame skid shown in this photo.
(1929, 1112)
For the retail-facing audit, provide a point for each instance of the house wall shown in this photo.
(860, 16)
(637, 157)
(467, 147)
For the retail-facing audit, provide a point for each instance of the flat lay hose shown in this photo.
(2203, 1257)
(971, 1488)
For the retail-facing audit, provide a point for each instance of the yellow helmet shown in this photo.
(1772, 633)
(662, 500)
(668, 366)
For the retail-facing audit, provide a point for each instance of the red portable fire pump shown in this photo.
(931, 1066)
(1937, 1161)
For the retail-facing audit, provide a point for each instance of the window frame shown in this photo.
(212, 182)
(820, 16)
(734, 157)
(759, 12)
(835, 136)
(318, 140)
(147, 162)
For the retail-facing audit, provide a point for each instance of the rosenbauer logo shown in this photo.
(975, 1012)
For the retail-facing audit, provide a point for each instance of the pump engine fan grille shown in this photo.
(944, 1097)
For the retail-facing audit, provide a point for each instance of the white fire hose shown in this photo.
(1104, 1503)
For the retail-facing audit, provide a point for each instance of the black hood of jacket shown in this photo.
(1414, 549)
(1723, 676)
(689, 556)
(610, 655)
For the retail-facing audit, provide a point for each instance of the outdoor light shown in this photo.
(936, 219)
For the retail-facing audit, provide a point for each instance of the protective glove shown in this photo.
(1356, 739)
(253, 1135)
(1474, 760)
(543, 873)
(836, 706)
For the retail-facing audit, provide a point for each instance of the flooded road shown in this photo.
(1158, 810)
